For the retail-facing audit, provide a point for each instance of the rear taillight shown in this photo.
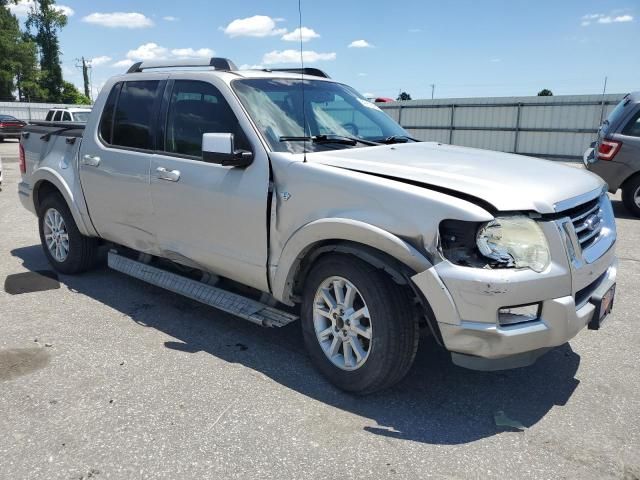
(2, 125)
(607, 149)
(23, 163)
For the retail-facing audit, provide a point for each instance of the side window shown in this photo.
(57, 116)
(133, 124)
(49, 116)
(196, 108)
(632, 128)
(106, 121)
(66, 117)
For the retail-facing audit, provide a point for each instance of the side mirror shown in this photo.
(218, 148)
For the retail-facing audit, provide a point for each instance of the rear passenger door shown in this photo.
(115, 160)
(207, 215)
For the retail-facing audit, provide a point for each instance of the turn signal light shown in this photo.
(607, 149)
(23, 163)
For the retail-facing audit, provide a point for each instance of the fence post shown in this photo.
(451, 126)
(400, 116)
(517, 129)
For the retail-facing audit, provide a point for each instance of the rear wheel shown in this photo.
(631, 195)
(67, 250)
(358, 325)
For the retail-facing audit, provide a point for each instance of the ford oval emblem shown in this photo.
(592, 222)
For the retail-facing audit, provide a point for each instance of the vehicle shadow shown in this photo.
(437, 403)
(620, 211)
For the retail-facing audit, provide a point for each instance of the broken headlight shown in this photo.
(514, 241)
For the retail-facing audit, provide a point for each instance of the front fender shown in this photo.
(48, 174)
(283, 274)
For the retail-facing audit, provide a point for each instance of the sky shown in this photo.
(465, 48)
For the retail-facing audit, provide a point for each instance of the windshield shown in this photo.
(81, 116)
(332, 109)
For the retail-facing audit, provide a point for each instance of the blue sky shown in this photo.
(466, 48)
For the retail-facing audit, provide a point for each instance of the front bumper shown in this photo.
(465, 302)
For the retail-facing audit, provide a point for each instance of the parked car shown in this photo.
(10, 127)
(280, 198)
(68, 114)
(615, 155)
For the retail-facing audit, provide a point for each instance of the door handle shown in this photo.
(170, 175)
(91, 160)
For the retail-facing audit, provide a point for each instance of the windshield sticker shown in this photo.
(368, 104)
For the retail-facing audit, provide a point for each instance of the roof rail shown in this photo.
(218, 63)
(316, 72)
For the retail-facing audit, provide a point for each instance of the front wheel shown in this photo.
(358, 325)
(67, 250)
(631, 195)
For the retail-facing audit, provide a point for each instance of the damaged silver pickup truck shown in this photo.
(281, 194)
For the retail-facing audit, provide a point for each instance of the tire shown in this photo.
(631, 195)
(391, 325)
(82, 252)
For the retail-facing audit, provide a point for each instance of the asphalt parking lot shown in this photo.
(103, 376)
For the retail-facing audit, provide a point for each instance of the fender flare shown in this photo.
(46, 174)
(338, 229)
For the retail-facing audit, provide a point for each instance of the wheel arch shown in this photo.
(367, 242)
(47, 181)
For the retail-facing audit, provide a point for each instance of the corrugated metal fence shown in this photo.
(554, 127)
(30, 111)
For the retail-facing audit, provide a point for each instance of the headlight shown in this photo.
(516, 241)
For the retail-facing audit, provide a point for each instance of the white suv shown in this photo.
(64, 114)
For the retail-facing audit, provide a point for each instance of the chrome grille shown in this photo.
(587, 222)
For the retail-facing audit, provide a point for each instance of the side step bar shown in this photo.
(229, 302)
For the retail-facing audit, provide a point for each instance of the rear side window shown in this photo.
(49, 116)
(134, 119)
(632, 129)
(57, 116)
(66, 117)
(106, 121)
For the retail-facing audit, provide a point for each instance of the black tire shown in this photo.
(395, 330)
(630, 190)
(83, 251)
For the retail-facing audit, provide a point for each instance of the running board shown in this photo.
(229, 302)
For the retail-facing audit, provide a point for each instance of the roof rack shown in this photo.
(218, 63)
(316, 72)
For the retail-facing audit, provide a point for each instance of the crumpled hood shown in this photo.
(506, 181)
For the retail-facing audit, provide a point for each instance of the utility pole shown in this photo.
(604, 90)
(85, 65)
(433, 88)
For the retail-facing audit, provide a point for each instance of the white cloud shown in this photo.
(256, 26)
(362, 74)
(360, 44)
(170, 18)
(153, 51)
(119, 20)
(605, 19)
(368, 95)
(23, 7)
(192, 53)
(293, 56)
(246, 66)
(305, 34)
(415, 30)
(101, 60)
(496, 60)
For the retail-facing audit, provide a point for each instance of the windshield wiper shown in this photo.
(320, 139)
(396, 139)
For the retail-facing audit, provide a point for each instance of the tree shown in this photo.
(17, 55)
(545, 93)
(70, 94)
(45, 21)
(404, 96)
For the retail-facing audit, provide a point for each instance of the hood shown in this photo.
(508, 182)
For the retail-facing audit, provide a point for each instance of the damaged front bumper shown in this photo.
(466, 304)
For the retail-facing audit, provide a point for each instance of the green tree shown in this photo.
(545, 93)
(404, 96)
(17, 55)
(43, 23)
(70, 94)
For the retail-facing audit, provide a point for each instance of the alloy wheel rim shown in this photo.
(342, 323)
(636, 197)
(56, 235)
